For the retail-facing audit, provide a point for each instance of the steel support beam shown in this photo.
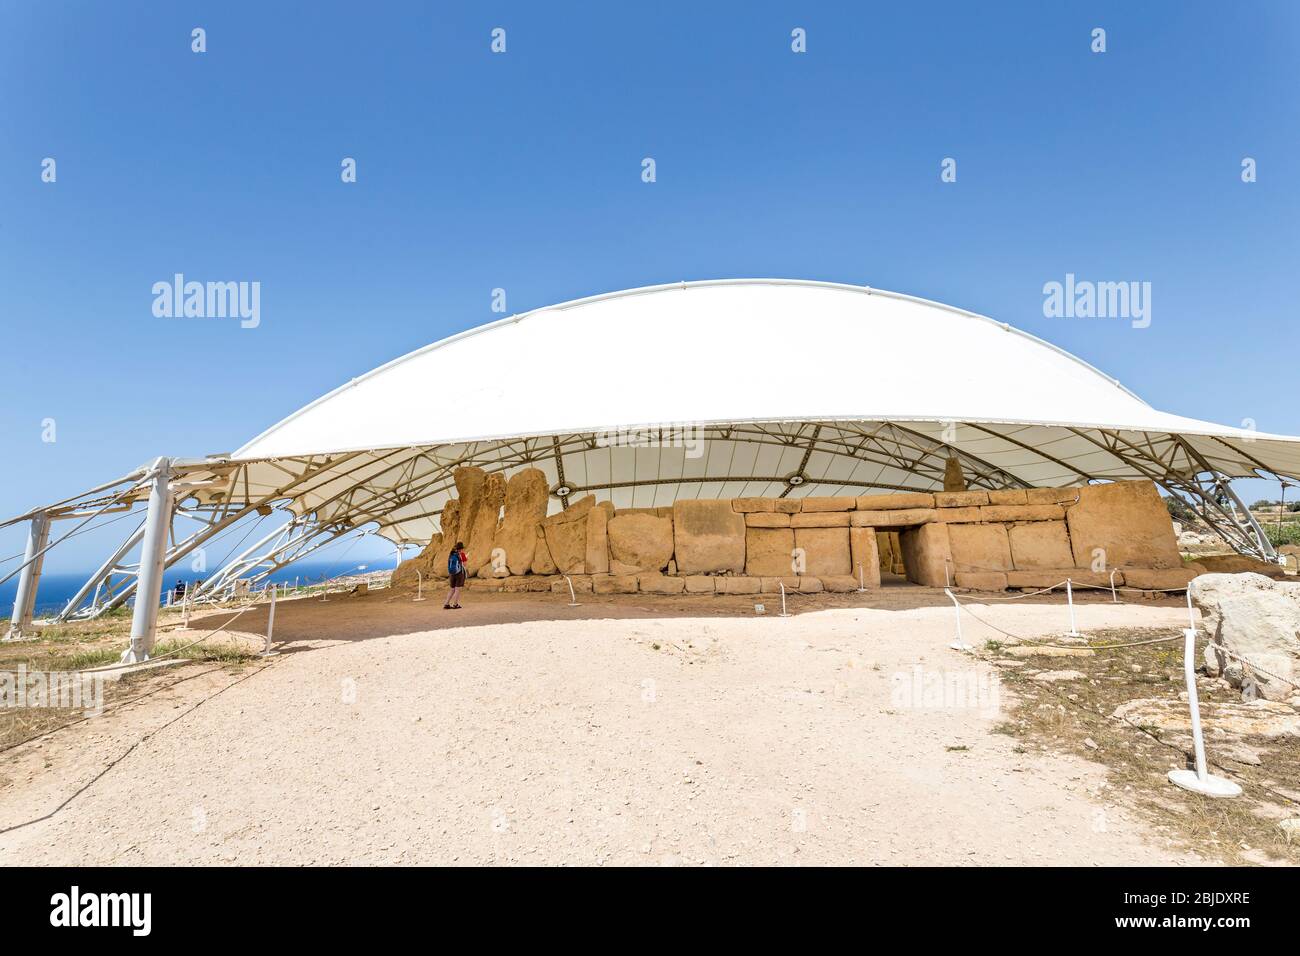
(38, 535)
(153, 551)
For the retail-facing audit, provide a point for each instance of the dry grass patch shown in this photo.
(84, 645)
(1075, 715)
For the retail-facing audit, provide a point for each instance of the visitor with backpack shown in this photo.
(456, 571)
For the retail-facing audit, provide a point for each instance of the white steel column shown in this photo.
(153, 551)
(38, 535)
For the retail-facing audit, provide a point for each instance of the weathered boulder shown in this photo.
(566, 536)
(640, 541)
(1258, 619)
(708, 537)
(526, 498)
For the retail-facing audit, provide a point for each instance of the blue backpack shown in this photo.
(453, 563)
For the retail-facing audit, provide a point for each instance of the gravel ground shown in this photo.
(622, 732)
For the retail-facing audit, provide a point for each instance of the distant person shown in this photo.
(456, 570)
(178, 592)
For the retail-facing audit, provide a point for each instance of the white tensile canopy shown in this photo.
(729, 388)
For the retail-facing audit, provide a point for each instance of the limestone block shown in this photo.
(826, 550)
(614, 583)
(763, 519)
(893, 519)
(1046, 577)
(1028, 513)
(708, 537)
(903, 499)
(960, 499)
(788, 506)
(808, 585)
(839, 584)
(737, 585)
(566, 536)
(581, 584)
(1159, 579)
(542, 563)
(1257, 618)
(527, 494)
(817, 505)
(824, 519)
(926, 554)
(660, 584)
(982, 580)
(640, 541)
(480, 530)
(768, 551)
(1128, 521)
(1008, 496)
(864, 554)
(752, 505)
(1040, 544)
(773, 585)
(953, 479)
(1051, 496)
(699, 584)
(597, 549)
(961, 515)
(979, 547)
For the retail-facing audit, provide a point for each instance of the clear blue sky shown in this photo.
(522, 171)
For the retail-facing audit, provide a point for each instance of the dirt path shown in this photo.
(734, 741)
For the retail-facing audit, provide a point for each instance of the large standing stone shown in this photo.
(1126, 520)
(1040, 544)
(767, 551)
(953, 479)
(597, 555)
(864, 555)
(826, 550)
(708, 537)
(441, 544)
(926, 554)
(979, 547)
(641, 541)
(542, 563)
(566, 536)
(482, 528)
(526, 498)
(1256, 618)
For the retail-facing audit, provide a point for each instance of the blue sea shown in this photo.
(56, 589)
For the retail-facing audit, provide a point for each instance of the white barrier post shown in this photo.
(270, 625)
(783, 613)
(1199, 780)
(1069, 597)
(185, 609)
(419, 586)
(573, 598)
(1114, 598)
(862, 581)
(959, 644)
